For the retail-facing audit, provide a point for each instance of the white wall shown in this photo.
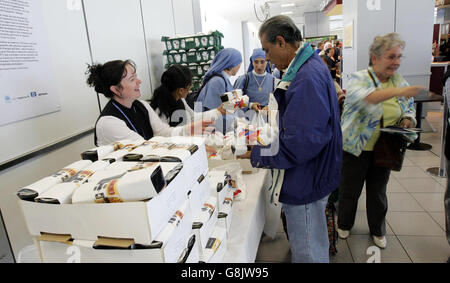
(413, 22)
(69, 54)
(316, 24)
(231, 29)
(158, 21)
(124, 39)
(251, 41)
(184, 17)
(166, 18)
(367, 30)
(417, 32)
(350, 17)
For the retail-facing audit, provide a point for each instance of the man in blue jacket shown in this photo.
(307, 165)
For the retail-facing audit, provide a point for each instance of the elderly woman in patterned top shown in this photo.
(376, 93)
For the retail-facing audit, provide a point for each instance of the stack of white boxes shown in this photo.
(154, 202)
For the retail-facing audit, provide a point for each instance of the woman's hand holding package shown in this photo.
(198, 127)
(221, 110)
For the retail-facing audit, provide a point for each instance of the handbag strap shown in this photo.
(373, 79)
(376, 86)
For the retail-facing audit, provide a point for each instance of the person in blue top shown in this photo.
(259, 80)
(319, 47)
(216, 81)
(306, 167)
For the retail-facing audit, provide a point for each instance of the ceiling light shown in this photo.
(287, 13)
(287, 5)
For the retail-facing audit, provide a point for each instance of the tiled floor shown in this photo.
(415, 219)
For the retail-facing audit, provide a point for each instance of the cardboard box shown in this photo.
(216, 247)
(140, 221)
(226, 213)
(173, 244)
(219, 186)
(174, 247)
(199, 193)
(56, 252)
(194, 251)
(204, 230)
(198, 162)
(75, 252)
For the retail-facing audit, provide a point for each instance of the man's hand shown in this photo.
(246, 155)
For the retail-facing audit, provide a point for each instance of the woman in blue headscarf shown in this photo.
(216, 81)
(260, 82)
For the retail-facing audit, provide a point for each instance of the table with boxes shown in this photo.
(147, 201)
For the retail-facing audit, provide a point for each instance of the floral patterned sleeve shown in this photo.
(355, 106)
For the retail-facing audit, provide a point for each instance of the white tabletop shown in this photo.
(248, 220)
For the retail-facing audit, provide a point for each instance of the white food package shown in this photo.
(33, 190)
(62, 193)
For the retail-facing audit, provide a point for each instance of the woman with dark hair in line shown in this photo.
(170, 97)
(332, 63)
(125, 116)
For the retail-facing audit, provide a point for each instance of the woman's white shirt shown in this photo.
(192, 116)
(110, 129)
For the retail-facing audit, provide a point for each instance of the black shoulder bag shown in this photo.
(390, 148)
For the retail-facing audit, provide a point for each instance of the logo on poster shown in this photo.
(33, 94)
(374, 5)
(7, 99)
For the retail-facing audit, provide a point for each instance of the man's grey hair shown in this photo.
(280, 26)
(381, 44)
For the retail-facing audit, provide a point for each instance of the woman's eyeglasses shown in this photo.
(393, 57)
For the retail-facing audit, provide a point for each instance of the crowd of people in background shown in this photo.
(332, 56)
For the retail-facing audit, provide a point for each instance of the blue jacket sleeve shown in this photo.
(305, 128)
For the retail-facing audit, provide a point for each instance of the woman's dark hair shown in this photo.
(328, 50)
(175, 77)
(103, 76)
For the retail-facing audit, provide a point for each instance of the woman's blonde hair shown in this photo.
(383, 43)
